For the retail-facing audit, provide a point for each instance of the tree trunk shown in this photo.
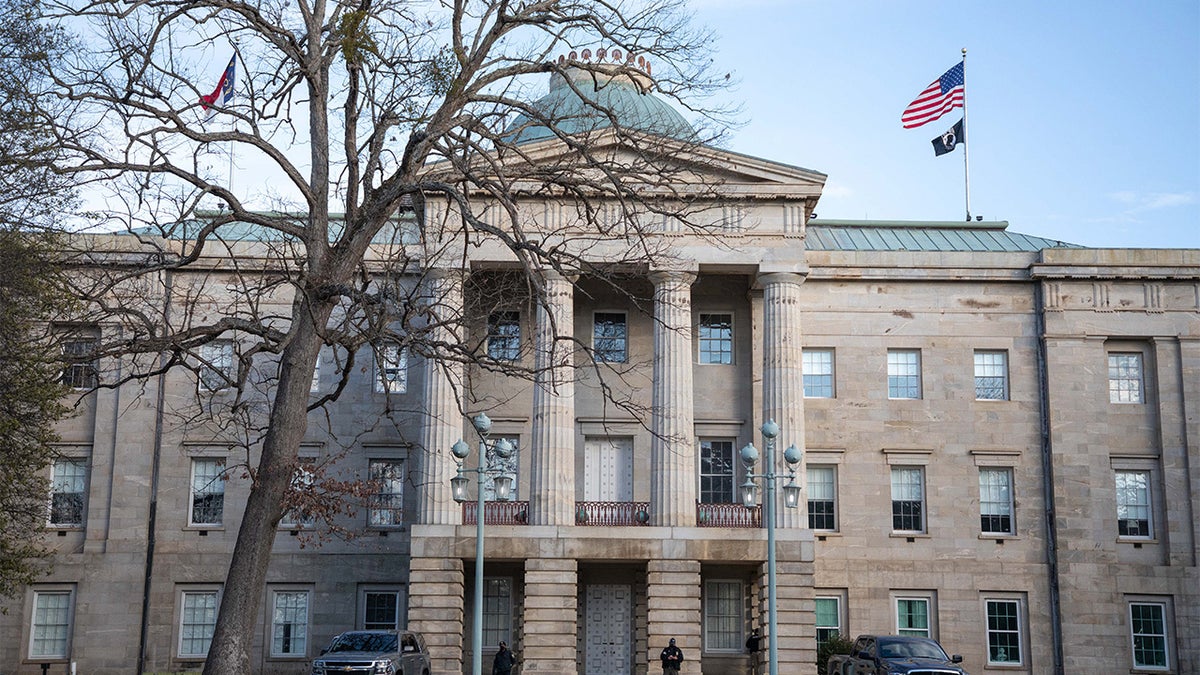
(230, 650)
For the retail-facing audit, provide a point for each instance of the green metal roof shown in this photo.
(598, 97)
(897, 235)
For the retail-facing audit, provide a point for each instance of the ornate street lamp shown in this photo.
(791, 499)
(502, 483)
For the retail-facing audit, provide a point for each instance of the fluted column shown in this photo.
(783, 376)
(552, 485)
(443, 382)
(673, 446)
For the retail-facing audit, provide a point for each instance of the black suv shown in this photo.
(374, 652)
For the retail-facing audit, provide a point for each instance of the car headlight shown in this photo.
(385, 667)
(318, 668)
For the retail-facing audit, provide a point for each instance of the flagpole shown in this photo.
(966, 146)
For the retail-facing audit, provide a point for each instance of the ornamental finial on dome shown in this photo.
(602, 56)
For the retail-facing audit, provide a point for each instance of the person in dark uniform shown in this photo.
(671, 657)
(504, 661)
(753, 644)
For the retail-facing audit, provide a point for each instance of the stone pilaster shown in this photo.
(443, 423)
(673, 611)
(673, 446)
(435, 609)
(783, 377)
(552, 483)
(550, 621)
(795, 617)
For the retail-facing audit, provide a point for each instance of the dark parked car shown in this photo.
(895, 655)
(374, 652)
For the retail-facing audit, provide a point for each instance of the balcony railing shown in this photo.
(728, 515)
(497, 513)
(612, 514)
(615, 514)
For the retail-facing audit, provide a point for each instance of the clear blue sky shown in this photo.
(1084, 117)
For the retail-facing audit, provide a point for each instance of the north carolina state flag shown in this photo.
(224, 91)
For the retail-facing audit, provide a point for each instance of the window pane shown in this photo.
(198, 620)
(302, 480)
(1125, 378)
(392, 360)
(80, 371)
(912, 617)
(289, 625)
(828, 619)
(67, 492)
(991, 376)
(723, 620)
(907, 500)
(381, 610)
(818, 373)
(995, 501)
(216, 365)
(497, 610)
(1133, 504)
(716, 472)
(1004, 631)
(51, 624)
(609, 338)
(716, 338)
(504, 336)
(208, 491)
(387, 502)
(904, 374)
(1149, 627)
(821, 496)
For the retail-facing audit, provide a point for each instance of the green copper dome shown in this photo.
(583, 99)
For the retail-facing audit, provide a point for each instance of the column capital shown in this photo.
(662, 277)
(771, 275)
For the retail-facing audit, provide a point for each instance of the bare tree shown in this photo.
(398, 136)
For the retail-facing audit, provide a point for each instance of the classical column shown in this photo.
(673, 445)
(783, 376)
(443, 424)
(552, 484)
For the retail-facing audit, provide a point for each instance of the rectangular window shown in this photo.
(912, 617)
(904, 373)
(1148, 628)
(381, 610)
(991, 376)
(1004, 632)
(299, 516)
(716, 338)
(497, 610)
(387, 500)
(716, 472)
(392, 362)
(80, 370)
(829, 619)
(610, 338)
(908, 499)
(724, 623)
(315, 386)
(208, 491)
(822, 496)
(49, 637)
(1125, 378)
(504, 336)
(818, 373)
(289, 624)
(67, 483)
(1133, 504)
(197, 621)
(216, 365)
(995, 501)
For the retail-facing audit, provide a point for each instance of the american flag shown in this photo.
(942, 95)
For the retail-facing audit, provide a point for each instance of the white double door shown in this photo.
(609, 625)
(608, 470)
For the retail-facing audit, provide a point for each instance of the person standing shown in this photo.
(671, 657)
(504, 661)
(752, 646)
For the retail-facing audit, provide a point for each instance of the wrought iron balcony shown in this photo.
(612, 514)
(497, 513)
(728, 515)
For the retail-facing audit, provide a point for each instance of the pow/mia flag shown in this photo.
(949, 140)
